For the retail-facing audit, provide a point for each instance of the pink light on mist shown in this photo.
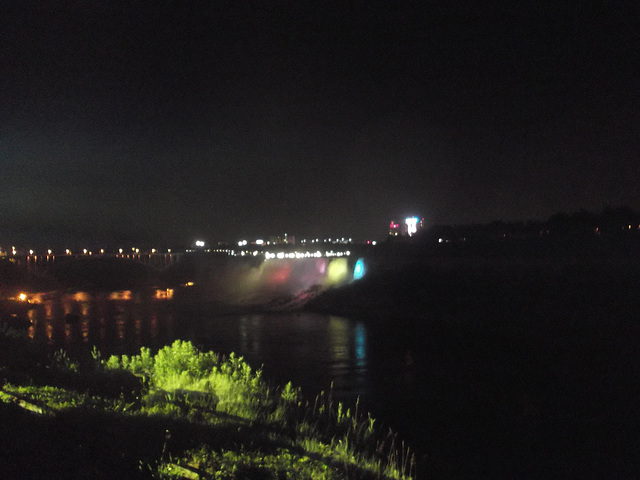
(280, 274)
(321, 265)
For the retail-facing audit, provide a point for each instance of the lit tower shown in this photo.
(412, 225)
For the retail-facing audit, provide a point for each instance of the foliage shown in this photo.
(186, 382)
(349, 438)
(10, 332)
(182, 372)
(48, 399)
(63, 363)
(231, 465)
(221, 419)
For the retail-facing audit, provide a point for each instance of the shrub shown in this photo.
(229, 383)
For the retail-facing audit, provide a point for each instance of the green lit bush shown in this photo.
(187, 383)
(219, 418)
(182, 374)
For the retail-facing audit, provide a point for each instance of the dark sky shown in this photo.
(160, 122)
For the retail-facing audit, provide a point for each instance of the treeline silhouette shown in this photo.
(616, 230)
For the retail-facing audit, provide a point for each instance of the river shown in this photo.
(316, 352)
(538, 395)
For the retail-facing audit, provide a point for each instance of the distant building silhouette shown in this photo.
(409, 227)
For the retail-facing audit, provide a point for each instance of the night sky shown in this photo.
(160, 122)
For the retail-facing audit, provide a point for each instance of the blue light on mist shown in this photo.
(358, 270)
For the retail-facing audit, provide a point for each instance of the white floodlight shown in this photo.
(412, 223)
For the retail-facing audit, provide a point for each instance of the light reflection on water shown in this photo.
(116, 322)
(312, 350)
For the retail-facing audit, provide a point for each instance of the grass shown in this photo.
(178, 413)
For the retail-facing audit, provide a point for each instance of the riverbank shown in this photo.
(179, 413)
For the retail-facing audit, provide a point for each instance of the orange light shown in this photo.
(80, 296)
(164, 294)
(120, 295)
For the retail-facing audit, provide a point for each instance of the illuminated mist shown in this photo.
(276, 280)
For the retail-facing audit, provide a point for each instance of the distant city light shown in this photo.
(260, 249)
(164, 294)
(412, 223)
(120, 295)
